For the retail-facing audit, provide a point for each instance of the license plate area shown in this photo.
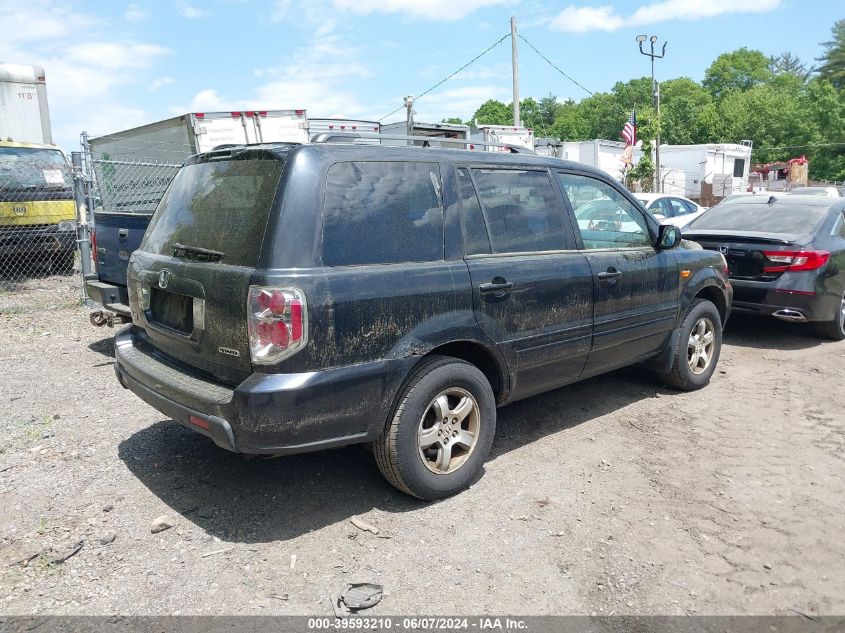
(172, 311)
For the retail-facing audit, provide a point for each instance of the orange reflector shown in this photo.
(203, 424)
(685, 274)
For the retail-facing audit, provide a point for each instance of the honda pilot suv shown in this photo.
(290, 298)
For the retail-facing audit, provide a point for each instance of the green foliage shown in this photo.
(737, 71)
(454, 120)
(493, 112)
(833, 58)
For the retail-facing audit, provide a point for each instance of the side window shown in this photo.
(678, 207)
(382, 213)
(691, 208)
(663, 207)
(606, 219)
(476, 241)
(521, 210)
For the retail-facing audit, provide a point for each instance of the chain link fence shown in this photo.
(38, 215)
(130, 186)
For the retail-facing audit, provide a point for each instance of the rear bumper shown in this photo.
(21, 241)
(267, 413)
(783, 303)
(110, 296)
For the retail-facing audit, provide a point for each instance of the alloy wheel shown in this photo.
(448, 430)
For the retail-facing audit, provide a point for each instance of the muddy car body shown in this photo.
(294, 298)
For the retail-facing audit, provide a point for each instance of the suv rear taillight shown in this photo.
(277, 322)
(795, 260)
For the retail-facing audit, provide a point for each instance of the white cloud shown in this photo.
(115, 55)
(445, 10)
(134, 14)
(85, 59)
(583, 19)
(191, 13)
(316, 77)
(161, 82)
(604, 18)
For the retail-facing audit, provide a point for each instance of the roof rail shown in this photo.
(349, 137)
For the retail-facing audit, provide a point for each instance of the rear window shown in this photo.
(221, 206)
(762, 217)
(382, 213)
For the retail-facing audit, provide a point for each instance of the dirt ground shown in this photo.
(615, 495)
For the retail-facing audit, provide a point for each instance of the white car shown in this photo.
(827, 192)
(671, 209)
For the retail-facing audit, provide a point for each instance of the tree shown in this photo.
(453, 120)
(687, 113)
(833, 59)
(789, 64)
(740, 70)
(493, 112)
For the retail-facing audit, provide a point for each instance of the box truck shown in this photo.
(24, 115)
(503, 134)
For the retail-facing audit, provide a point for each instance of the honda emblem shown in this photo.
(164, 278)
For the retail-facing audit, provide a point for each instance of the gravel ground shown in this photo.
(615, 495)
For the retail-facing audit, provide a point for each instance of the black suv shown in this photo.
(293, 298)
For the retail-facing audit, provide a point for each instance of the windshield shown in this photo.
(221, 206)
(31, 168)
(758, 216)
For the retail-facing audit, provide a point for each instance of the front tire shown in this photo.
(697, 348)
(441, 431)
(835, 328)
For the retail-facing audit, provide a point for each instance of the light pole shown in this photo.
(655, 102)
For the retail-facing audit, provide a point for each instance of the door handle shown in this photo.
(496, 286)
(611, 275)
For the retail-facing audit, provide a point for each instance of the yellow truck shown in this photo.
(37, 209)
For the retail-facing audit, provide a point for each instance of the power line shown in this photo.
(549, 62)
(443, 81)
(800, 146)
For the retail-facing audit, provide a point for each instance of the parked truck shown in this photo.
(367, 129)
(37, 211)
(501, 134)
(24, 114)
(438, 130)
(133, 168)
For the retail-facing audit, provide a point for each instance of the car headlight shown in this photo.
(67, 225)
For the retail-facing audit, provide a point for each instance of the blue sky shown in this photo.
(113, 65)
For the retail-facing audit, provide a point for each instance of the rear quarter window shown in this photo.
(382, 213)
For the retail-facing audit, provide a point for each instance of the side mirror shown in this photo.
(668, 237)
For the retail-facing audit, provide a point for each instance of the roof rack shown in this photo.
(349, 137)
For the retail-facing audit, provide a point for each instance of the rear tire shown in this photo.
(697, 348)
(63, 262)
(835, 328)
(441, 431)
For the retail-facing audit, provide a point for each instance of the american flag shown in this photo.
(629, 131)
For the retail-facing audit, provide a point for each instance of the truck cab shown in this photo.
(37, 209)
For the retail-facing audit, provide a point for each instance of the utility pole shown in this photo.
(409, 116)
(655, 93)
(515, 66)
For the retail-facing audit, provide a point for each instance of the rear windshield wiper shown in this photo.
(195, 253)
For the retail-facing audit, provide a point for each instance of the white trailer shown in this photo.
(24, 114)
(345, 126)
(601, 153)
(134, 167)
(505, 134)
(723, 166)
(438, 130)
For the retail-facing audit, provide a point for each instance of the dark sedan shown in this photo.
(785, 256)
